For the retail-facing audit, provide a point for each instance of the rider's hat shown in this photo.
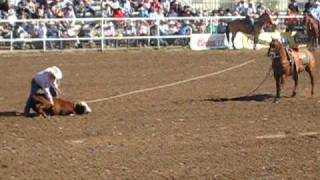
(55, 71)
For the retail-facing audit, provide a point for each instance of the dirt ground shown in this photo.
(201, 129)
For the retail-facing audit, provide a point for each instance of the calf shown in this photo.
(41, 105)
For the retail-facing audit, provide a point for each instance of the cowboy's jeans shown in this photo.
(34, 89)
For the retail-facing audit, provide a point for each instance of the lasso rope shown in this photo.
(171, 84)
(261, 83)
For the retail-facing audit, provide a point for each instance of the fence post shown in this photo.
(102, 34)
(158, 32)
(44, 38)
(11, 40)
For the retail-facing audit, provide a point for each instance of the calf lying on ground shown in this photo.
(42, 106)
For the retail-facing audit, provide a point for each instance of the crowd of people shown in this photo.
(73, 9)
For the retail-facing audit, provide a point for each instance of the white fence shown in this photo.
(96, 32)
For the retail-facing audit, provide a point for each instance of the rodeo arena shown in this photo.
(159, 89)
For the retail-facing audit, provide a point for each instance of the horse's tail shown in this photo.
(228, 32)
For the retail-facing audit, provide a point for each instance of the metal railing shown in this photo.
(152, 36)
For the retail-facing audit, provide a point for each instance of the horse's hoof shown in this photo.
(294, 94)
(276, 100)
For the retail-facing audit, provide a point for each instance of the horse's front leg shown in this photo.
(278, 88)
(255, 42)
(232, 39)
(295, 78)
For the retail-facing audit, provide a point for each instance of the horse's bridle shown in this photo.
(273, 53)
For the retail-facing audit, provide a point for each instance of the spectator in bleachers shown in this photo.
(12, 18)
(135, 5)
(185, 29)
(143, 12)
(3, 14)
(250, 16)
(293, 7)
(40, 12)
(5, 30)
(172, 13)
(52, 32)
(155, 5)
(43, 3)
(130, 29)
(165, 5)
(308, 5)
(143, 30)
(214, 25)
(127, 9)
(260, 9)
(69, 14)
(114, 4)
(31, 8)
(117, 13)
(88, 7)
(155, 13)
(242, 7)
(315, 10)
(146, 5)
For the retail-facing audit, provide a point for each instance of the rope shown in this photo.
(261, 83)
(171, 84)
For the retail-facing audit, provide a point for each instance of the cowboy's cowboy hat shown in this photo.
(55, 71)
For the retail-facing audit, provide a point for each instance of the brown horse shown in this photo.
(243, 26)
(312, 28)
(282, 67)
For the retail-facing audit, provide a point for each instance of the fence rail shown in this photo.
(153, 33)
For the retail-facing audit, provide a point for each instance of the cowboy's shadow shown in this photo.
(255, 97)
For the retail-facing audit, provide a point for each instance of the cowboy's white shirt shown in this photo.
(43, 79)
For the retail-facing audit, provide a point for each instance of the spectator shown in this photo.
(293, 7)
(260, 9)
(127, 8)
(40, 12)
(146, 5)
(52, 32)
(143, 30)
(88, 7)
(40, 31)
(31, 8)
(185, 30)
(315, 11)
(308, 6)
(250, 16)
(165, 5)
(3, 14)
(130, 29)
(117, 13)
(12, 18)
(155, 5)
(242, 8)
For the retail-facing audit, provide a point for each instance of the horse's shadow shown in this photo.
(256, 98)
(10, 114)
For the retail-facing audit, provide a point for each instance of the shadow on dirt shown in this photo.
(10, 114)
(256, 97)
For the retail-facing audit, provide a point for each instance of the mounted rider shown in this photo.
(251, 15)
(314, 11)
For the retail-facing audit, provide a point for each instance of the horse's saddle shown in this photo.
(301, 59)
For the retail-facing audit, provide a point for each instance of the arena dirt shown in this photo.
(202, 129)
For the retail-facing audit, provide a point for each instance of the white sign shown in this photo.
(208, 41)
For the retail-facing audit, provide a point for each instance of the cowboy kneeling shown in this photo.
(48, 80)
